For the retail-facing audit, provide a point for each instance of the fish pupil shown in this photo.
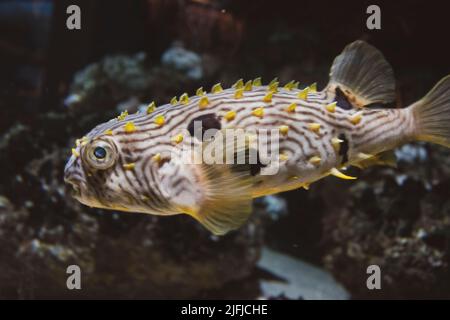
(100, 153)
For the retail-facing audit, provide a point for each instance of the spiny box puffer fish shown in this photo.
(139, 162)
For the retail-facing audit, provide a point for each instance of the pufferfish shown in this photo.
(138, 162)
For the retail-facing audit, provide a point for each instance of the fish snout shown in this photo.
(73, 181)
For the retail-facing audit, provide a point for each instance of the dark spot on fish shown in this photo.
(343, 150)
(255, 168)
(206, 122)
(378, 105)
(128, 158)
(342, 100)
(163, 160)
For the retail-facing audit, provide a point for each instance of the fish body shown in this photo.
(145, 162)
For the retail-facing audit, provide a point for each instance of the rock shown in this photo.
(297, 279)
(273, 206)
(126, 81)
(404, 228)
(110, 80)
(184, 61)
(411, 153)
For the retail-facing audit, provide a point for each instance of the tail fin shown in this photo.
(432, 114)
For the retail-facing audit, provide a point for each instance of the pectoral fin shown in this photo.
(225, 189)
(227, 199)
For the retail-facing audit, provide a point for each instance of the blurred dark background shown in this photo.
(255, 37)
(56, 84)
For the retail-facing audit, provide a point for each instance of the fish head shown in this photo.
(109, 172)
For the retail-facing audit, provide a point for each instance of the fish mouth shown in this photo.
(77, 189)
(73, 187)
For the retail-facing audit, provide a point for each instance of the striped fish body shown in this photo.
(144, 162)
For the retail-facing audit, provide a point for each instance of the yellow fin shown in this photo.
(157, 157)
(284, 157)
(123, 115)
(248, 86)
(177, 139)
(184, 98)
(336, 143)
(284, 129)
(75, 153)
(355, 118)
(226, 201)
(173, 101)
(268, 97)
(159, 120)
(129, 166)
(239, 84)
(258, 112)
(314, 127)
(257, 82)
(386, 158)
(129, 127)
(291, 107)
(289, 85)
(335, 172)
(273, 87)
(216, 88)
(364, 156)
(200, 92)
(230, 115)
(274, 80)
(315, 160)
(151, 107)
(203, 102)
(239, 93)
(331, 107)
(303, 94)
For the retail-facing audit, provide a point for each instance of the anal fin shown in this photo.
(386, 158)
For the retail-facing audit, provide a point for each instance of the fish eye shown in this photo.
(100, 152)
(100, 155)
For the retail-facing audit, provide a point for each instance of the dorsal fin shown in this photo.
(363, 75)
